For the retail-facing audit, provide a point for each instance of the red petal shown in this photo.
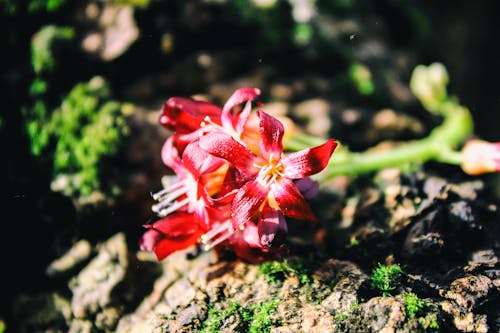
(198, 161)
(184, 115)
(149, 240)
(234, 180)
(170, 154)
(168, 246)
(308, 161)
(272, 227)
(176, 225)
(290, 201)
(251, 235)
(238, 97)
(173, 233)
(247, 202)
(243, 117)
(224, 146)
(271, 131)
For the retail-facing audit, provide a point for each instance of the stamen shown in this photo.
(157, 196)
(208, 121)
(168, 199)
(270, 172)
(174, 207)
(223, 231)
(230, 131)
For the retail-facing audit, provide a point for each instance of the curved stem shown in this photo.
(438, 146)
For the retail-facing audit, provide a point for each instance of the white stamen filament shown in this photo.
(168, 199)
(158, 195)
(217, 235)
(231, 131)
(173, 207)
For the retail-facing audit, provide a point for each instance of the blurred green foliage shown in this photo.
(38, 87)
(12, 7)
(48, 5)
(133, 3)
(42, 46)
(428, 84)
(85, 129)
(361, 76)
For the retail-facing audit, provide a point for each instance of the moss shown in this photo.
(42, 46)
(384, 278)
(275, 271)
(47, 5)
(12, 7)
(253, 319)
(38, 87)
(262, 320)
(80, 135)
(413, 304)
(420, 309)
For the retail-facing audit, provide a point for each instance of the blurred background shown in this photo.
(83, 83)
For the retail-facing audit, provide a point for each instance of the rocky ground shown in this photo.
(73, 265)
(440, 227)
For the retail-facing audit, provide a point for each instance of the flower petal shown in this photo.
(176, 225)
(198, 161)
(247, 202)
(308, 161)
(246, 245)
(224, 146)
(238, 97)
(170, 154)
(251, 235)
(170, 234)
(149, 240)
(184, 115)
(167, 246)
(308, 187)
(271, 130)
(272, 227)
(243, 117)
(290, 201)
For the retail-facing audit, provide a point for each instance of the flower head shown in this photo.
(234, 186)
(480, 157)
(269, 177)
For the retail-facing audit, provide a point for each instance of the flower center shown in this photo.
(270, 171)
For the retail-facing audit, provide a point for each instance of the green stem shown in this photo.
(301, 141)
(438, 146)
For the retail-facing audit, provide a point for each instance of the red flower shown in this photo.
(270, 176)
(199, 175)
(233, 185)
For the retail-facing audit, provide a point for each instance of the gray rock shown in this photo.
(95, 287)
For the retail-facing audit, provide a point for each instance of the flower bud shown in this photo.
(428, 84)
(480, 157)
